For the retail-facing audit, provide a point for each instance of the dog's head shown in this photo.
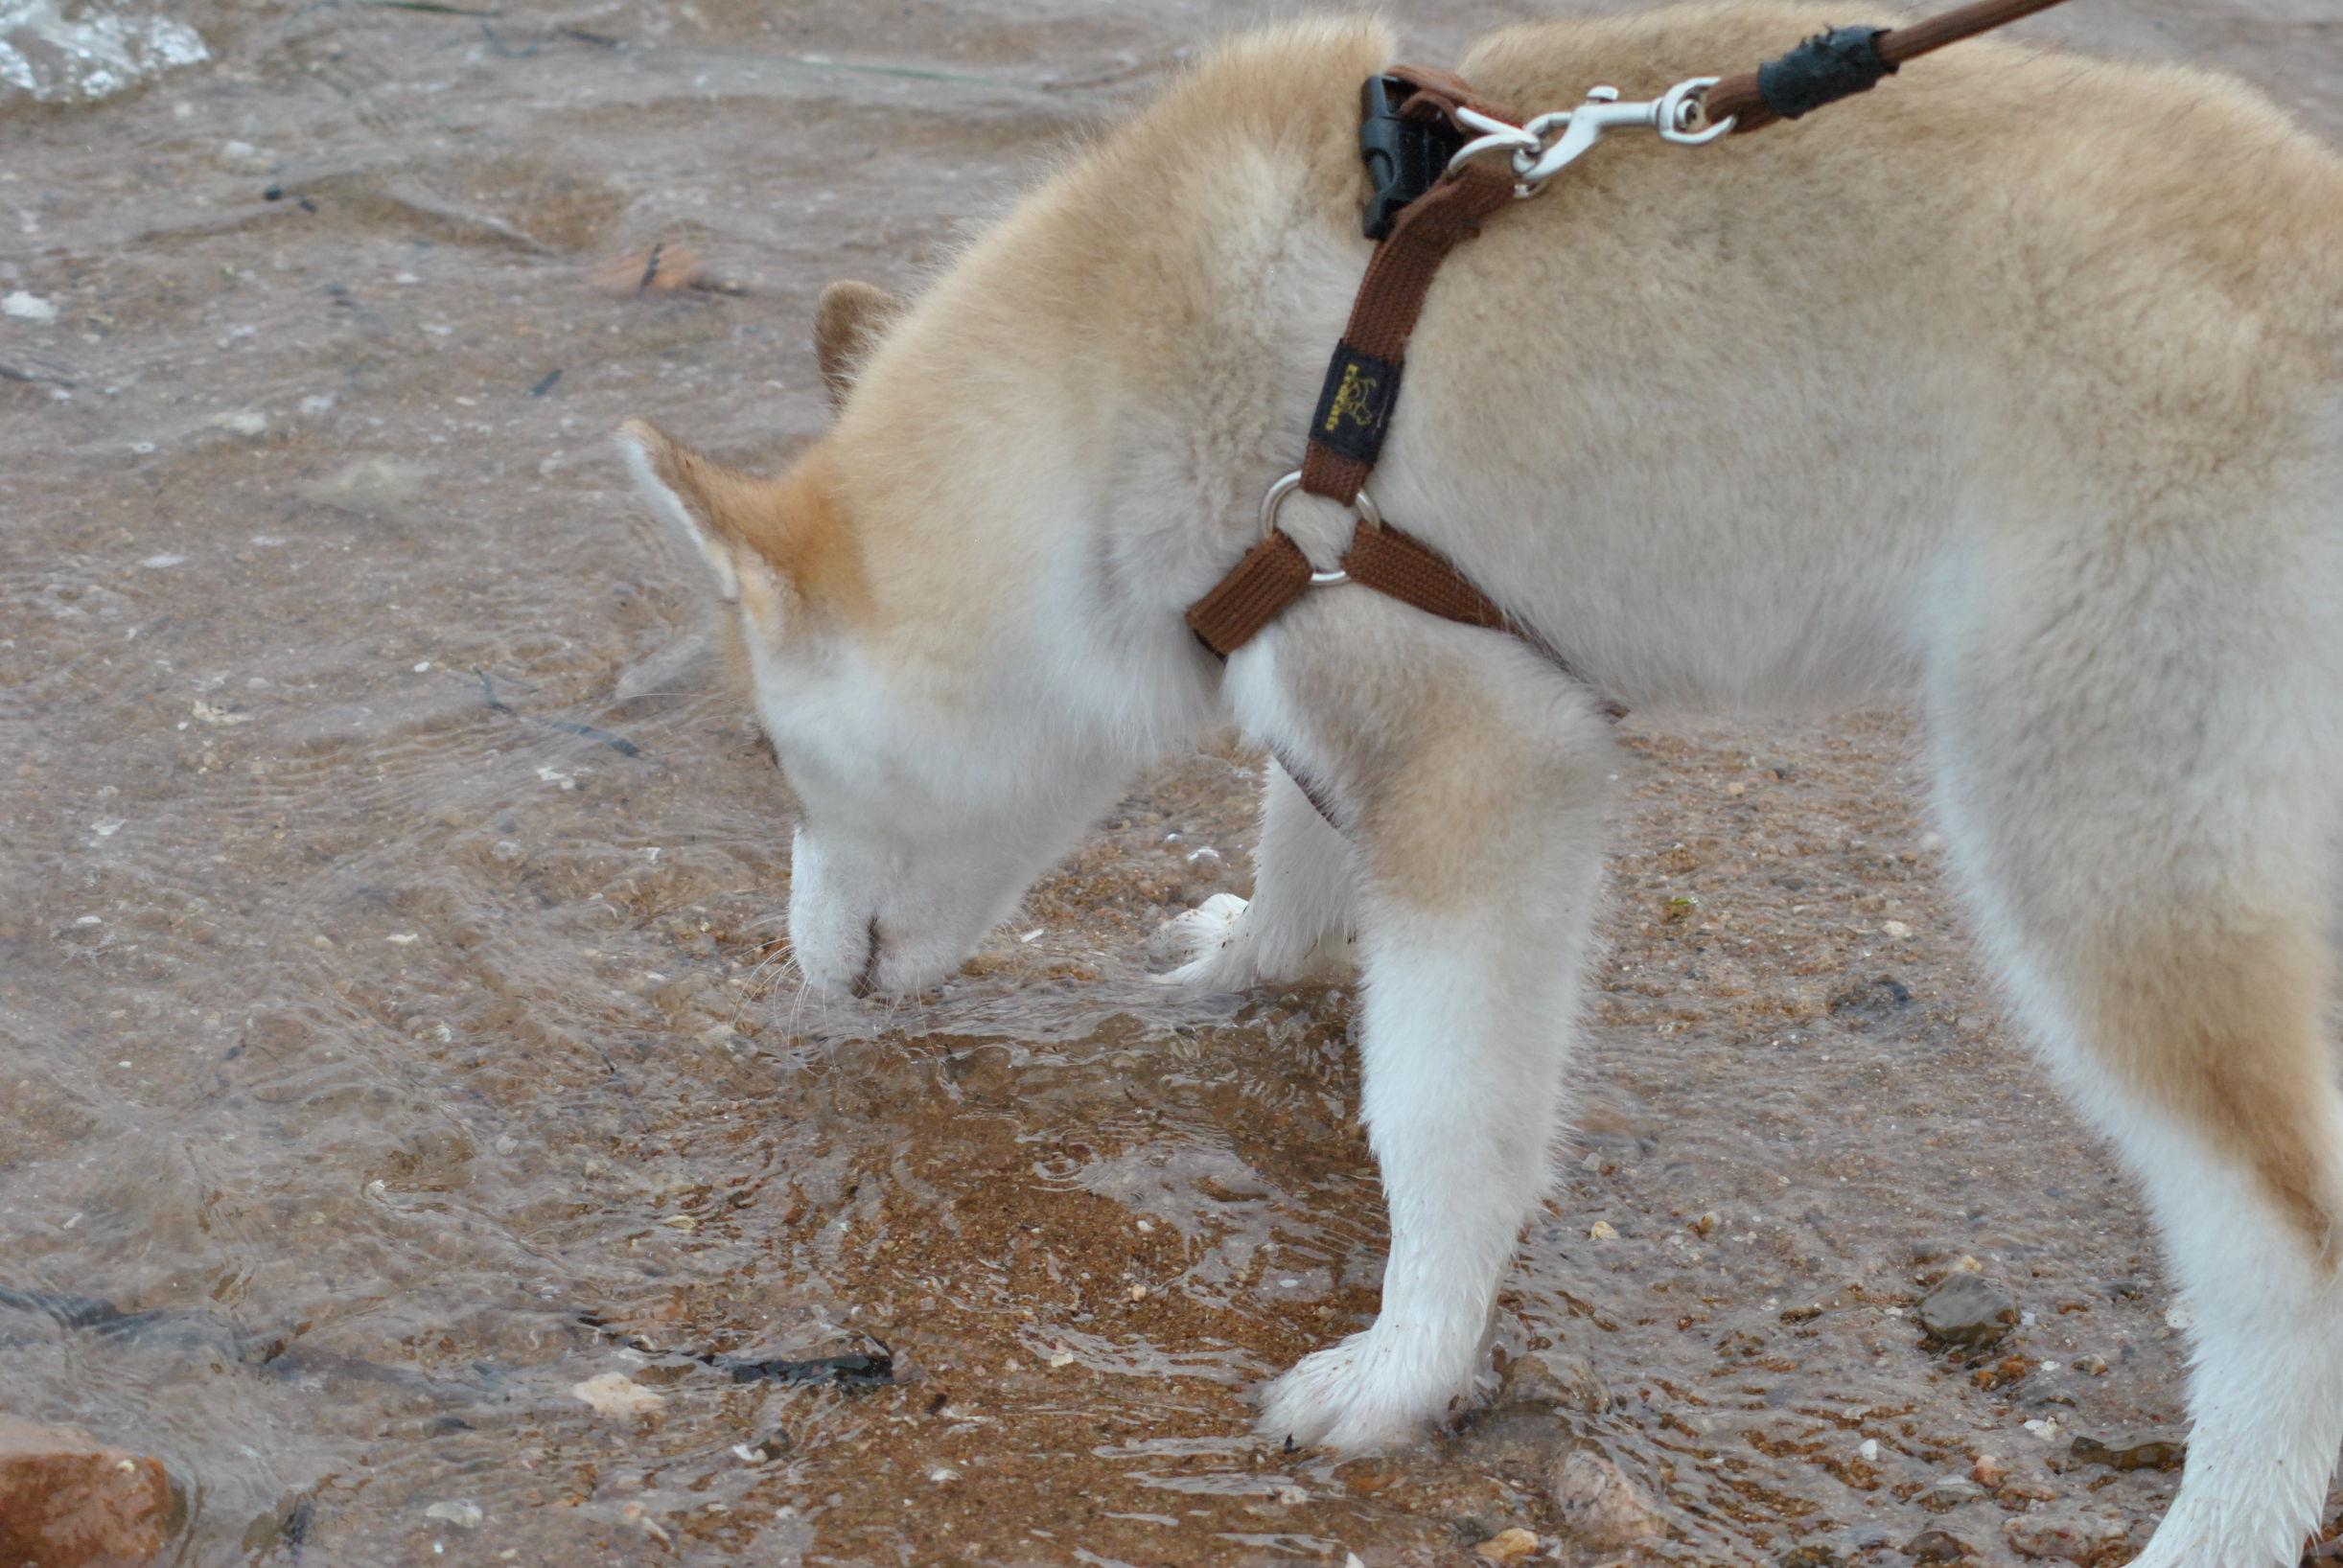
(900, 665)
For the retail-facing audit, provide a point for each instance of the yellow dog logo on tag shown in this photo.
(1354, 400)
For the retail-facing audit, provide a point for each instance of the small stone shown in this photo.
(26, 307)
(1600, 1507)
(65, 1501)
(2136, 1451)
(1705, 1224)
(1869, 1449)
(2091, 1366)
(1601, 1230)
(1937, 1546)
(1139, 1293)
(1968, 1311)
(462, 1515)
(1508, 1546)
(1293, 1497)
(2070, 1534)
(615, 1394)
(1989, 1471)
(1894, 931)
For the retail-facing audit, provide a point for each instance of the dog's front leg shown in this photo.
(1296, 925)
(1469, 776)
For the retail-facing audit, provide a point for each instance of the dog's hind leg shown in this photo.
(1296, 925)
(1470, 776)
(2135, 746)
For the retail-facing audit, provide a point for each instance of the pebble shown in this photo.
(2091, 1366)
(1601, 1230)
(1600, 1507)
(1989, 1471)
(2066, 1534)
(1896, 931)
(615, 1394)
(462, 1515)
(2137, 1452)
(1560, 1382)
(66, 1502)
(1949, 1492)
(1508, 1546)
(1968, 1311)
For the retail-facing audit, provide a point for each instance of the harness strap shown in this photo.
(1362, 383)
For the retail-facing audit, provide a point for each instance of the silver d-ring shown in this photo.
(1362, 507)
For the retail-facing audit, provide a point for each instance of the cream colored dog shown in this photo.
(2019, 380)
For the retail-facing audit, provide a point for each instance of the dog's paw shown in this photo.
(1207, 947)
(1228, 944)
(1366, 1393)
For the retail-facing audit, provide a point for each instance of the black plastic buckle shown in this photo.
(1404, 157)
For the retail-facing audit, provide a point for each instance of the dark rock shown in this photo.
(1937, 1546)
(1968, 1311)
(1871, 999)
(65, 1501)
(2135, 1452)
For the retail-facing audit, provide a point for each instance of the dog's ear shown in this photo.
(722, 512)
(848, 325)
(780, 548)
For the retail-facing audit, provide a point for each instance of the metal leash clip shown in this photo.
(1546, 145)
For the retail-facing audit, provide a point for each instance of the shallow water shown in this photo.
(391, 1036)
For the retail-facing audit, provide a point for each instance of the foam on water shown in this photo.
(62, 54)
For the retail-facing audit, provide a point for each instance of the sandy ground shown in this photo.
(386, 1033)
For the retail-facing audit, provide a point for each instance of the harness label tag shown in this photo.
(1356, 403)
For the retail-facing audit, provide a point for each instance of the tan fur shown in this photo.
(2217, 1021)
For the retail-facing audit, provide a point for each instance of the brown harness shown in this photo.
(1415, 122)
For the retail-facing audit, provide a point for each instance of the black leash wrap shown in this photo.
(1822, 70)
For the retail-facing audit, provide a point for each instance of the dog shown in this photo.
(2016, 383)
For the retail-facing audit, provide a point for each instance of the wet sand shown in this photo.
(390, 1029)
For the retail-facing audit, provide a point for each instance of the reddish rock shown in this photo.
(67, 1503)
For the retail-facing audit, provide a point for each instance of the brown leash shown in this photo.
(1426, 137)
